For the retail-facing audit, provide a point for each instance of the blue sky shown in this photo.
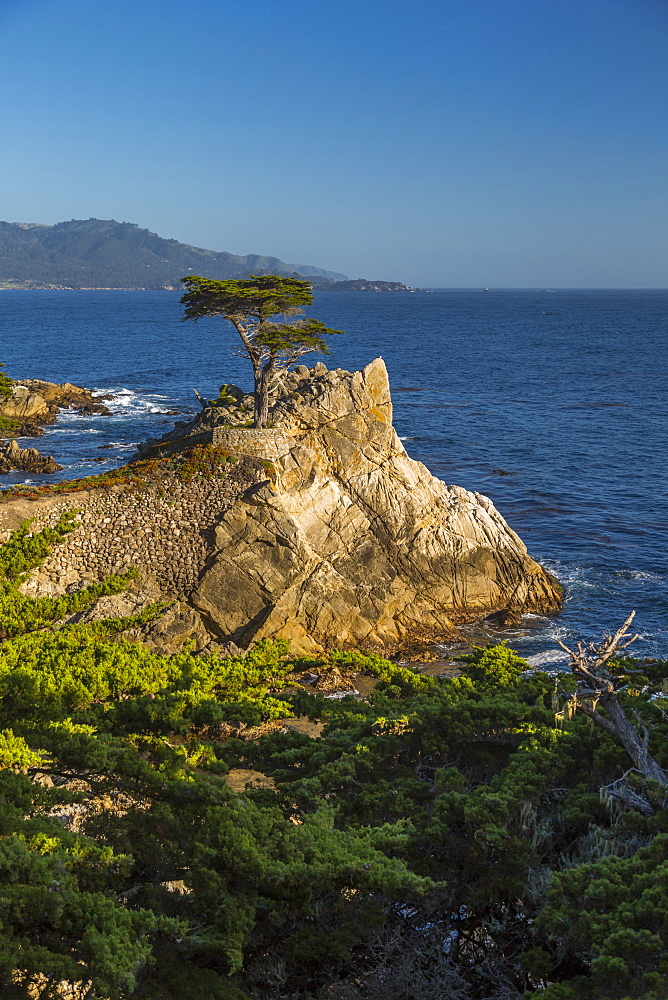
(456, 143)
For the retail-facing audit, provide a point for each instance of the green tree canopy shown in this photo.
(251, 306)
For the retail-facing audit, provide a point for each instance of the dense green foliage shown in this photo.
(251, 305)
(6, 385)
(441, 838)
(257, 297)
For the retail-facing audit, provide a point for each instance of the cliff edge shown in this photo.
(350, 541)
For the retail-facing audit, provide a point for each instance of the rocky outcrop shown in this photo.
(25, 405)
(41, 402)
(329, 535)
(351, 542)
(31, 405)
(34, 403)
(13, 458)
(179, 624)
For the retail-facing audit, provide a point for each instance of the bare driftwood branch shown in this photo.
(596, 696)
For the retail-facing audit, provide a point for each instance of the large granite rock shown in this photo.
(351, 542)
(25, 405)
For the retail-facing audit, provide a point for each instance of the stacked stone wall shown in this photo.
(164, 530)
(265, 443)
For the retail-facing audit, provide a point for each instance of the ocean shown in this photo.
(553, 403)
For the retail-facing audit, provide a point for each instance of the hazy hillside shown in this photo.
(100, 253)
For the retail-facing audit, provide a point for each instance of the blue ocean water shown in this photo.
(552, 403)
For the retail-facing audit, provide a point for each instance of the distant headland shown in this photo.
(108, 255)
(362, 285)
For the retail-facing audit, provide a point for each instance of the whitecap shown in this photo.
(128, 403)
(64, 430)
(548, 658)
(570, 576)
(637, 574)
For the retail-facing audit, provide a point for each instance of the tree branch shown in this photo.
(597, 686)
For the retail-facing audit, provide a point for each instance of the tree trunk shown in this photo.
(630, 738)
(261, 396)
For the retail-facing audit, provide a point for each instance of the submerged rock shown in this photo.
(351, 542)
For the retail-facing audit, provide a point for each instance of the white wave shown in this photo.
(127, 402)
(637, 574)
(56, 431)
(568, 575)
(126, 392)
(550, 657)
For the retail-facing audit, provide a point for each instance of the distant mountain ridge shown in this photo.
(103, 253)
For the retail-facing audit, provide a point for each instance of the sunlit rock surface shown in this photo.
(350, 541)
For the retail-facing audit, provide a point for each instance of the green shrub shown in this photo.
(6, 385)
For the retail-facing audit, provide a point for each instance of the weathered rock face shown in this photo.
(58, 396)
(25, 405)
(355, 543)
(179, 624)
(25, 460)
(36, 402)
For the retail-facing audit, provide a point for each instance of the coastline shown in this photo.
(529, 436)
(426, 556)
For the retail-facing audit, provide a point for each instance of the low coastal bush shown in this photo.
(6, 384)
(203, 461)
(9, 427)
(442, 837)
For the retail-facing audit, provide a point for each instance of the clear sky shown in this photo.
(452, 143)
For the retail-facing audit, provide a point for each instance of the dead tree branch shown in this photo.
(596, 696)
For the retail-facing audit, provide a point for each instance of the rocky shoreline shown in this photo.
(31, 405)
(320, 530)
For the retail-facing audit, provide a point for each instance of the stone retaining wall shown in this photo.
(266, 443)
(164, 530)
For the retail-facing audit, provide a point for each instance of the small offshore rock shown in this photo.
(16, 459)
